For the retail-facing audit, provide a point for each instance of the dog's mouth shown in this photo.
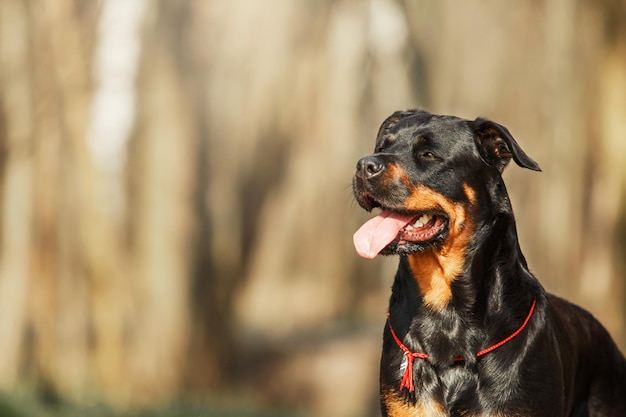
(394, 233)
(422, 228)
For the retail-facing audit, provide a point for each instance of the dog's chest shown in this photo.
(439, 390)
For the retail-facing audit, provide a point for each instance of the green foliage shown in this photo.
(20, 406)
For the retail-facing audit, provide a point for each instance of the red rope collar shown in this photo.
(407, 377)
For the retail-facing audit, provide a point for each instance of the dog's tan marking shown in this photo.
(434, 270)
(393, 175)
(470, 193)
(397, 407)
(403, 177)
(388, 139)
(496, 414)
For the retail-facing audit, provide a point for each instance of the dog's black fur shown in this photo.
(469, 286)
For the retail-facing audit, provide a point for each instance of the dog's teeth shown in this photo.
(424, 219)
(419, 222)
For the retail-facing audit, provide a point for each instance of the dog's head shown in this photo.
(428, 174)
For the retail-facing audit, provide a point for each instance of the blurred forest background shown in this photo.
(175, 201)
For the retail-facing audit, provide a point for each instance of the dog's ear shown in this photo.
(497, 146)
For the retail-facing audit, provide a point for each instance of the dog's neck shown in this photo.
(443, 274)
(459, 289)
(435, 270)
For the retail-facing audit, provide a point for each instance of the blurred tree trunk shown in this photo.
(59, 276)
(17, 127)
(45, 70)
(602, 284)
(161, 207)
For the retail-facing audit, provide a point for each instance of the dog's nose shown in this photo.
(369, 167)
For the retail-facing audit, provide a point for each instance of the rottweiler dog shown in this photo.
(470, 331)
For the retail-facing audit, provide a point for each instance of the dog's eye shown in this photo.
(428, 155)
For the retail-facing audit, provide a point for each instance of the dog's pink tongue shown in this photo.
(378, 232)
